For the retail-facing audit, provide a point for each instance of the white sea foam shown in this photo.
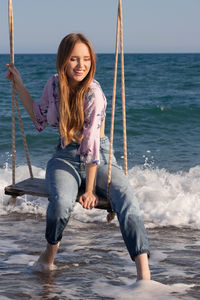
(141, 290)
(8, 245)
(4, 298)
(25, 204)
(20, 259)
(166, 199)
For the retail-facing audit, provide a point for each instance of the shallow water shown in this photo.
(92, 261)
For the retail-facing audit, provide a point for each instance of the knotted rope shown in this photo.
(15, 102)
(119, 32)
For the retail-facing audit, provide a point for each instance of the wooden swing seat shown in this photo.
(37, 187)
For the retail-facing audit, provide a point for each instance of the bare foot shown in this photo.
(46, 259)
(43, 265)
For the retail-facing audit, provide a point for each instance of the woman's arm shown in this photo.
(89, 150)
(89, 199)
(91, 171)
(26, 99)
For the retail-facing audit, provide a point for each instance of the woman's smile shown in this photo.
(79, 72)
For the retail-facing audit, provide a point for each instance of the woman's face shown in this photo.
(79, 63)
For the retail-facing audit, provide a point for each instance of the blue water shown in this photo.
(162, 106)
(163, 134)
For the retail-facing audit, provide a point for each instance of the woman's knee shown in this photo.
(123, 198)
(61, 177)
(60, 206)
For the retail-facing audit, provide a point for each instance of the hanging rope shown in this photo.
(11, 36)
(15, 102)
(123, 90)
(119, 31)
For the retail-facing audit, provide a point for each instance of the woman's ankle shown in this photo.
(144, 275)
(142, 265)
(48, 256)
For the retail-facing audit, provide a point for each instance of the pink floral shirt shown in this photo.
(47, 113)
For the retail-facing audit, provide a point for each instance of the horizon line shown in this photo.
(54, 53)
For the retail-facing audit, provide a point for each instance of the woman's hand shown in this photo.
(13, 76)
(88, 200)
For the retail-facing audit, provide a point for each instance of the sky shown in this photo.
(150, 26)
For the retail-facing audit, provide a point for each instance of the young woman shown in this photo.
(73, 102)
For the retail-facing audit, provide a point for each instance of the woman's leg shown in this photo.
(125, 204)
(63, 182)
(142, 266)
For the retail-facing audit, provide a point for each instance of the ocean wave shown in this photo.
(166, 199)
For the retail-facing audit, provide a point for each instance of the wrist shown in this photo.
(89, 190)
(90, 178)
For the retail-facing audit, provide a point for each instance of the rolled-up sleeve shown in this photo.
(94, 109)
(40, 109)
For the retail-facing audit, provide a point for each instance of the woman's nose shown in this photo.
(80, 63)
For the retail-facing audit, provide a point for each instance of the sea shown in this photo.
(163, 148)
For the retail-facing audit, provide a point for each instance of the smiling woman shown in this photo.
(73, 103)
(77, 110)
(78, 66)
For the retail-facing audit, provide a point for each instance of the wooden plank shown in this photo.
(37, 187)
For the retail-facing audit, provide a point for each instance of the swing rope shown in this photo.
(15, 102)
(123, 92)
(119, 31)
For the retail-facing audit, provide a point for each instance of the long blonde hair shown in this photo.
(71, 100)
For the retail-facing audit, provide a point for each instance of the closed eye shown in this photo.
(73, 58)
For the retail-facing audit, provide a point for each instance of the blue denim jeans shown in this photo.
(64, 175)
